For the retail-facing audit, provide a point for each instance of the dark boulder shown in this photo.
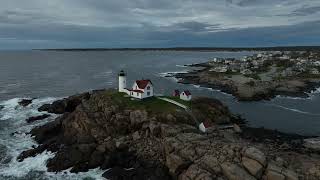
(30, 153)
(37, 118)
(1, 107)
(75, 156)
(50, 146)
(144, 172)
(119, 173)
(50, 130)
(96, 159)
(64, 105)
(25, 102)
(82, 167)
(65, 159)
(57, 107)
(120, 157)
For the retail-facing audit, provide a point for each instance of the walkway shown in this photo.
(173, 102)
(182, 106)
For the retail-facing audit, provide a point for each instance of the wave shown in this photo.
(294, 110)
(105, 74)
(12, 109)
(317, 91)
(169, 75)
(183, 66)
(3, 91)
(294, 98)
(164, 74)
(16, 139)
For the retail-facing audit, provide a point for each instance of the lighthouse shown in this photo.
(122, 81)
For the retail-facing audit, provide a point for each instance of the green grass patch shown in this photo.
(151, 104)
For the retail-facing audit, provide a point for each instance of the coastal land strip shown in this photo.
(261, 76)
(229, 49)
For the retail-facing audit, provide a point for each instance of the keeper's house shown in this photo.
(141, 89)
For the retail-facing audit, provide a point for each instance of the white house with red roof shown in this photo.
(141, 89)
(186, 95)
(203, 127)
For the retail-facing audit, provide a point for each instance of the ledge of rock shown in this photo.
(151, 139)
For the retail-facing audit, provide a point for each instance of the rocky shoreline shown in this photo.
(294, 87)
(132, 140)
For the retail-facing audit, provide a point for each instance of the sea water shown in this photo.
(51, 75)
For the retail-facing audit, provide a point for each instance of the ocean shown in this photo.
(50, 75)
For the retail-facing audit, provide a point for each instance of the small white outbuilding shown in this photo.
(204, 126)
(186, 95)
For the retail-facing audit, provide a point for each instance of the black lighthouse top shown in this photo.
(121, 73)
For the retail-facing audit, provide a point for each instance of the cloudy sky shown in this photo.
(26, 24)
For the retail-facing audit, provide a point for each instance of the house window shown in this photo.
(148, 88)
(137, 94)
(148, 93)
(136, 87)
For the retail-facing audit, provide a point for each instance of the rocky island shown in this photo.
(259, 77)
(153, 139)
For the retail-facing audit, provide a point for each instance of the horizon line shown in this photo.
(187, 48)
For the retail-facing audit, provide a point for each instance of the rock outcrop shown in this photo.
(37, 118)
(65, 105)
(25, 102)
(155, 140)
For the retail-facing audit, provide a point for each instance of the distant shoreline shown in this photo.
(231, 49)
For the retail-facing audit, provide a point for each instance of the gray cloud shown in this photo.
(305, 10)
(130, 23)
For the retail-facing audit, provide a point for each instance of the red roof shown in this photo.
(143, 83)
(176, 92)
(206, 124)
(138, 91)
(187, 92)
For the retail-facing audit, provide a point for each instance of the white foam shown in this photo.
(317, 91)
(163, 74)
(295, 110)
(14, 112)
(67, 175)
(293, 98)
(16, 115)
(21, 169)
(105, 74)
(217, 90)
(183, 66)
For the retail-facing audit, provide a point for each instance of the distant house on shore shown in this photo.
(220, 69)
(314, 71)
(186, 95)
(141, 89)
(176, 93)
(246, 72)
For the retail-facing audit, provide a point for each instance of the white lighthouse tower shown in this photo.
(122, 81)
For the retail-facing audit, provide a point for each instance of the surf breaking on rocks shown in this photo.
(15, 138)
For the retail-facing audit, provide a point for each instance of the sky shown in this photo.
(33, 24)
